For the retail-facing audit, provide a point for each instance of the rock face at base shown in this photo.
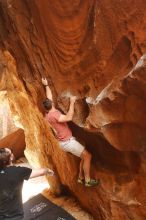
(89, 49)
(15, 141)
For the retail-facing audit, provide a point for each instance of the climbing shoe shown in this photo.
(81, 181)
(92, 182)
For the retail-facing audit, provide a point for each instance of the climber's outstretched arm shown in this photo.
(48, 90)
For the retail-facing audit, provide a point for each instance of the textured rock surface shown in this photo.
(87, 48)
(6, 121)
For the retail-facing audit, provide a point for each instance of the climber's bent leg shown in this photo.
(86, 157)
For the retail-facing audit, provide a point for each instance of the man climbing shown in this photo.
(11, 182)
(67, 142)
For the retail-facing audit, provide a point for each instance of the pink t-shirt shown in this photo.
(63, 132)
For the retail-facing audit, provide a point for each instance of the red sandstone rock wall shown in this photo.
(87, 48)
(15, 141)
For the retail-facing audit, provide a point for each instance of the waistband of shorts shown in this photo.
(71, 138)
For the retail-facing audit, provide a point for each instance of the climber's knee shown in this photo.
(86, 155)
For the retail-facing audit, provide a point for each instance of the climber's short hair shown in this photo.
(47, 104)
(5, 155)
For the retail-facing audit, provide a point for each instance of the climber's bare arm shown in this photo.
(70, 113)
(48, 90)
